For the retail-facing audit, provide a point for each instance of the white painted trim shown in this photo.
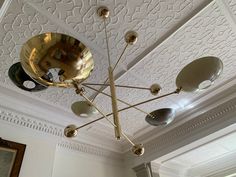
(29, 107)
(54, 131)
(207, 123)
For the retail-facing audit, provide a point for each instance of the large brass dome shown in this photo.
(55, 59)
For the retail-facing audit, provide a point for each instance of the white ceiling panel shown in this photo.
(171, 34)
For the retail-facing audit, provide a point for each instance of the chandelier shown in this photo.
(54, 59)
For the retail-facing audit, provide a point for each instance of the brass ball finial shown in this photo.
(103, 12)
(138, 149)
(155, 89)
(131, 37)
(70, 131)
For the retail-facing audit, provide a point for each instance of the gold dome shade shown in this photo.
(55, 59)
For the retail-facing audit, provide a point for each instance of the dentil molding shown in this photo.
(211, 121)
(8, 116)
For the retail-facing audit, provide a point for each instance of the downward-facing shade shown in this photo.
(19, 77)
(199, 74)
(83, 109)
(161, 117)
(67, 59)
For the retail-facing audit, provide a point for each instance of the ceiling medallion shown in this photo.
(53, 59)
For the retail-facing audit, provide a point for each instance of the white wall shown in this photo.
(39, 154)
(44, 159)
(73, 164)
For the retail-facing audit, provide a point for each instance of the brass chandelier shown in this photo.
(53, 59)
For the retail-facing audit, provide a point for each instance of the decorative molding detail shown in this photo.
(232, 6)
(25, 121)
(213, 100)
(202, 125)
(161, 18)
(215, 167)
(208, 118)
(143, 170)
(208, 33)
(224, 173)
(85, 148)
(18, 119)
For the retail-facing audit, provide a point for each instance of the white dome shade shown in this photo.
(83, 109)
(162, 116)
(199, 74)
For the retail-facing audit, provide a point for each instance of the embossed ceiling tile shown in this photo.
(19, 24)
(232, 6)
(100, 72)
(163, 18)
(104, 103)
(133, 121)
(128, 95)
(132, 95)
(81, 16)
(209, 33)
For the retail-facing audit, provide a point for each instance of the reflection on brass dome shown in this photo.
(54, 59)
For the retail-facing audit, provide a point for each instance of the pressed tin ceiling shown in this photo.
(172, 33)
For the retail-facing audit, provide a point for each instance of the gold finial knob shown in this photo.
(70, 131)
(103, 12)
(131, 37)
(155, 89)
(138, 149)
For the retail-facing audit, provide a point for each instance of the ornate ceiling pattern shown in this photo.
(171, 34)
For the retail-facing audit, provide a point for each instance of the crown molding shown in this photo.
(197, 127)
(206, 102)
(213, 120)
(101, 154)
(209, 100)
(89, 149)
(224, 172)
(214, 167)
(18, 119)
(37, 110)
(44, 128)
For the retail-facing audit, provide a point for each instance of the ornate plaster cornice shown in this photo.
(18, 119)
(35, 125)
(202, 125)
(89, 149)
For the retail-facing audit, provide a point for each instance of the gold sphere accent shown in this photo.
(70, 131)
(138, 149)
(54, 59)
(103, 12)
(155, 89)
(131, 37)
